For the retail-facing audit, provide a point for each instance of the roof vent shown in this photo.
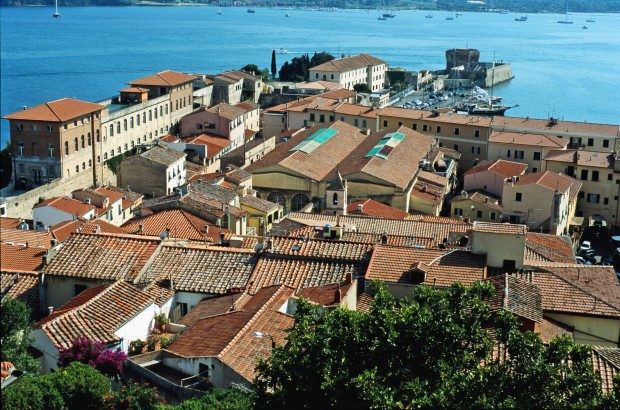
(141, 229)
(205, 229)
(87, 201)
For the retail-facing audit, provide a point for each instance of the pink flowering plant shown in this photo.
(95, 354)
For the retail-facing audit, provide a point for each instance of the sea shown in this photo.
(561, 70)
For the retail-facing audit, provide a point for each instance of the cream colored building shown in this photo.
(227, 89)
(490, 176)
(541, 200)
(599, 172)
(349, 71)
(323, 111)
(476, 206)
(527, 148)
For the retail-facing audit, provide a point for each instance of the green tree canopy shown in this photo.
(15, 328)
(362, 88)
(433, 350)
(251, 68)
(298, 68)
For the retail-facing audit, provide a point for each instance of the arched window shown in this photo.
(125, 124)
(88, 138)
(118, 127)
(90, 163)
(77, 169)
(166, 108)
(75, 143)
(161, 110)
(131, 122)
(144, 116)
(66, 147)
(111, 130)
(299, 201)
(82, 141)
(276, 198)
(97, 135)
(150, 115)
(335, 198)
(138, 119)
(105, 156)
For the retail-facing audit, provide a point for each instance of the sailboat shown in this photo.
(566, 20)
(219, 11)
(56, 13)
(590, 20)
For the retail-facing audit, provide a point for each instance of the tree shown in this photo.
(432, 350)
(274, 67)
(251, 68)
(15, 338)
(81, 386)
(362, 88)
(299, 67)
(135, 396)
(32, 392)
(220, 399)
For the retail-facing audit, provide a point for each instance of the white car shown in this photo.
(585, 246)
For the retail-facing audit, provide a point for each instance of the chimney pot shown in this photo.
(338, 295)
(50, 310)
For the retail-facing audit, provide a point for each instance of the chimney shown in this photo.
(87, 201)
(26, 244)
(348, 278)
(50, 310)
(97, 228)
(338, 295)
(206, 228)
(360, 207)
(141, 229)
(221, 238)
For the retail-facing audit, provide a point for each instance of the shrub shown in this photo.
(167, 339)
(161, 320)
(151, 342)
(136, 346)
(135, 396)
(80, 386)
(220, 399)
(82, 350)
(32, 392)
(110, 362)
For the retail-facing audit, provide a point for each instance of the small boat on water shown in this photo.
(429, 16)
(585, 27)
(56, 13)
(522, 18)
(458, 14)
(450, 18)
(251, 11)
(281, 50)
(485, 110)
(287, 15)
(388, 15)
(565, 21)
(590, 20)
(381, 18)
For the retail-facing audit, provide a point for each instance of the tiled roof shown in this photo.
(606, 362)
(247, 105)
(578, 289)
(212, 307)
(550, 248)
(545, 126)
(69, 205)
(202, 269)
(319, 164)
(214, 191)
(398, 168)
(164, 79)
(227, 111)
(237, 175)
(319, 85)
(182, 224)
(319, 248)
(160, 293)
(435, 179)
(517, 296)
(482, 198)
(21, 258)
(394, 240)
(162, 155)
(374, 208)
(499, 228)
(134, 90)
(21, 285)
(258, 203)
(349, 63)
(95, 313)
(40, 239)
(103, 256)
(214, 143)
(62, 230)
(300, 273)
(427, 192)
(583, 158)
(364, 302)
(9, 223)
(518, 138)
(239, 74)
(441, 268)
(550, 180)
(326, 295)
(61, 110)
(549, 329)
(428, 116)
(501, 167)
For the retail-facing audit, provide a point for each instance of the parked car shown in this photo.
(582, 261)
(585, 245)
(606, 260)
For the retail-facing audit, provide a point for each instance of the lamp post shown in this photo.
(260, 335)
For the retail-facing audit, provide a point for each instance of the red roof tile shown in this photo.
(503, 168)
(20, 258)
(36, 238)
(519, 138)
(374, 208)
(61, 110)
(62, 230)
(69, 205)
(164, 78)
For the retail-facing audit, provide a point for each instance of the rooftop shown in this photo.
(480, 197)
(501, 167)
(499, 228)
(517, 296)
(370, 207)
(349, 63)
(36, 238)
(258, 203)
(582, 158)
(227, 111)
(162, 155)
(546, 126)
(62, 230)
(519, 138)
(447, 118)
(19, 258)
(68, 205)
(550, 180)
(163, 79)
(61, 110)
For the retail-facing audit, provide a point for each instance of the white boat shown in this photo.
(287, 15)
(522, 18)
(219, 11)
(281, 50)
(429, 16)
(56, 13)
(590, 20)
(566, 20)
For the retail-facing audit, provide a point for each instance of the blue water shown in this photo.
(90, 53)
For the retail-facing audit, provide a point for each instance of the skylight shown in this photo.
(315, 140)
(385, 145)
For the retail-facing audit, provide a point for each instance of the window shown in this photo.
(508, 154)
(131, 122)
(66, 148)
(492, 216)
(77, 289)
(332, 76)
(356, 122)
(590, 142)
(414, 126)
(519, 154)
(605, 143)
(364, 124)
(582, 194)
(458, 211)
(477, 133)
(610, 177)
(90, 163)
(335, 199)
(125, 124)
(518, 196)
(111, 130)
(537, 156)
(82, 141)
(584, 174)
(49, 128)
(332, 118)
(144, 117)
(385, 123)
(83, 166)
(105, 156)
(475, 150)
(438, 129)
(457, 131)
(88, 139)
(594, 175)
(593, 198)
(150, 115)
(50, 149)
(19, 127)
(35, 127)
(479, 214)
(126, 147)
(77, 169)
(75, 143)
(456, 147)
(321, 117)
(98, 159)
(605, 201)
(534, 169)
(424, 127)
(118, 127)
(312, 117)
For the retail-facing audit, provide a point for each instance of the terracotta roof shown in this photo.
(441, 268)
(319, 85)
(428, 116)
(320, 163)
(364, 302)
(247, 105)
(518, 138)
(160, 294)
(23, 286)
(227, 111)
(237, 175)
(432, 178)
(480, 197)
(374, 208)
(339, 107)
(162, 155)
(134, 90)
(499, 228)
(164, 79)
(339, 94)
(319, 248)
(550, 180)
(545, 126)
(428, 193)
(36, 238)
(212, 307)
(9, 223)
(300, 105)
(517, 296)
(62, 230)
(61, 110)
(103, 256)
(239, 75)
(69, 205)
(82, 315)
(201, 203)
(549, 248)
(578, 289)
(214, 143)
(258, 203)
(182, 224)
(394, 240)
(549, 329)
(396, 163)
(21, 258)
(583, 158)
(326, 295)
(606, 362)
(349, 63)
(501, 167)
(201, 269)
